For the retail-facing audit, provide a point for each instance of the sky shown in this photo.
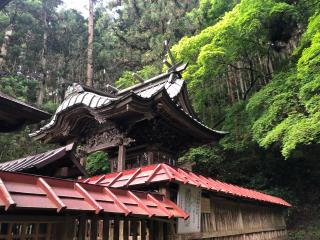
(80, 5)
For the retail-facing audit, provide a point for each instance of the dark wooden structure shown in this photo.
(151, 122)
(60, 162)
(15, 114)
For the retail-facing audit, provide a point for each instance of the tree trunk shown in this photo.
(4, 48)
(43, 77)
(89, 81)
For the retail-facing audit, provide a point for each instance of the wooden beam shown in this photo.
(78, 165)
(115, 179)
(117, 201)
(140, 204)
(88, 198)
(121, 158)
(5, 196)
(53, 197)
(160, 205)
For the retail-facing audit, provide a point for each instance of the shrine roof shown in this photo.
(166, 84)
(21, 192)
(14, 113)
(165, 173)
(40, 160)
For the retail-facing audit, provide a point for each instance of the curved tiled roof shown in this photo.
(88, 99)
(76, 96)
(166, 173)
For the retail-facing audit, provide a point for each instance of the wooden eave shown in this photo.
(14, 114)
(182, 120)
(68, 120)
(62, 156)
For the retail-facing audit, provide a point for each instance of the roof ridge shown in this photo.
(140, 85)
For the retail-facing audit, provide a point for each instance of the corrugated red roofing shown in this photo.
(22, 191)
(163, 172)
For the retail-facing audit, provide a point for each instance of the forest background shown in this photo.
(254, 71)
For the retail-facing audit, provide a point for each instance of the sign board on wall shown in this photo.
(205, 205)
(189, 199)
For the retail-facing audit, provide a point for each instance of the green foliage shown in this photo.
(309, 231)
(19, 87)
(127, 79)
(50, 107)
(239, 36)
(17, 145)
(207, 160)
(97, 163)
(211, 11)
(132, 36)
(287, 110)
(238, 127)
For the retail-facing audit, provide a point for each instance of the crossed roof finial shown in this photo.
(173, 65)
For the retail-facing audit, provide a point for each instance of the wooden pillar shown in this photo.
(160, 230)
(165, 191)
(68, 228)
(125, 230)
(49, 232)
(165, 231)
(105, 235)
(82, 228)
(94, 228)
(116, 229)
(111, 165)
(134, 229)
(143, 230)
(150, 157)
(121, 158)
(153, 230)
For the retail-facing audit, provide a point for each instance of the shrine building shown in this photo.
(144, 129)
(45, 208)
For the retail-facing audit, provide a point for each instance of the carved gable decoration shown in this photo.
(103, 137)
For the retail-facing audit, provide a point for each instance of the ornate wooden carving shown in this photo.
(104, 137)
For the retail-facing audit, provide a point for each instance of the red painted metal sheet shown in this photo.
(164, 173)
(20, 191)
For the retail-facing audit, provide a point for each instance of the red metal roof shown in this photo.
(163, 172)
(22, 191)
